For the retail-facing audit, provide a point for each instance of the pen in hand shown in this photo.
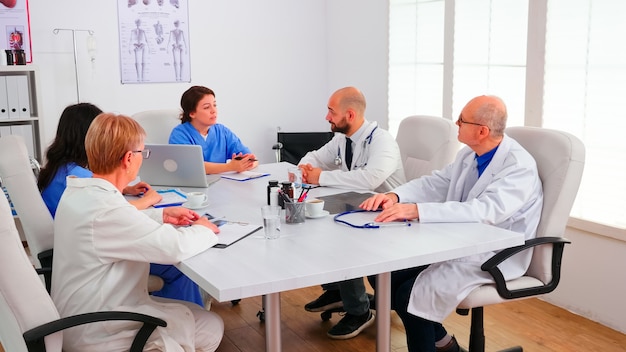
(241, 158)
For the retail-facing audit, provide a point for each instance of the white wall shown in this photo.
(358, 51)
(268, 63)
(592, 282)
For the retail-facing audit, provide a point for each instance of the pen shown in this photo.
(389, 224)
(303, 194)
(240, 158)
(284, 196)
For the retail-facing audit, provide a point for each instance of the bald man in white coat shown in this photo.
(374, 165)
(493, 180)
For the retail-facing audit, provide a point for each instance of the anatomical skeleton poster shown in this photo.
(154, 41)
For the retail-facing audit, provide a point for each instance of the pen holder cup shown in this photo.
(294, 213)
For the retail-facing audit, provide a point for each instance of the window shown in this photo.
(568, 76)
(585, 66)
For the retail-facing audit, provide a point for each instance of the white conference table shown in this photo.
(321, 251)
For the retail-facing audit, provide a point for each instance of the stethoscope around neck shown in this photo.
(366, 142)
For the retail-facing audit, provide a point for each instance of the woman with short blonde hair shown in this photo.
(103, 246)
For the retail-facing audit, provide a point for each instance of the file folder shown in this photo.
(12, 97)
(18, 96)
(4, 104)
(5, 130)
(23, 97)
(26, 131)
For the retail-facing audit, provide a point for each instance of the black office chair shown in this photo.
(292, 146)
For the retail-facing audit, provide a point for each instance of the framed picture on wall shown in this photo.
(15, 28)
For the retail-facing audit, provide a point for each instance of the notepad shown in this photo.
(232, 232)
(171, 198)
(244, 175)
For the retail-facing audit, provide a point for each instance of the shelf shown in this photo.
(20, 108)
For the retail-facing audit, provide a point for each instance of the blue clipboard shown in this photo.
(171, 198)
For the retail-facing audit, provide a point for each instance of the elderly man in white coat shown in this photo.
(492, 180)
(360, 156)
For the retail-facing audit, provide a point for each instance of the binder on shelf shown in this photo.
(26, 131)
(13, 97)
(23, 97)
(5, 130)
(4, 104)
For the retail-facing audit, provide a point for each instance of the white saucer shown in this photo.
(203, 205)
(321, 215)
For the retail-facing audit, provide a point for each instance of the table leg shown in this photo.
(383, 312)
(273, 341)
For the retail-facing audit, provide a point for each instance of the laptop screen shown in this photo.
(177, 165)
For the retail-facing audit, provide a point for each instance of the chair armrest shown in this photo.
(35, 337)
(45, 258)
(491, 266)
(44, 271)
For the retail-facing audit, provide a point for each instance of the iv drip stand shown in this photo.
(56, 31)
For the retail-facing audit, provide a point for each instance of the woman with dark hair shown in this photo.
(222, 149)
(66, 156)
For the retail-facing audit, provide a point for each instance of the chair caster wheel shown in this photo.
(326, 315)
(261, 315)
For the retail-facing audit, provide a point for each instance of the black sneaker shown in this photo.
(351, 325)
(330, 299)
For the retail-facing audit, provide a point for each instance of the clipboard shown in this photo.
(244, 175)
(171, 198)
(231, 233)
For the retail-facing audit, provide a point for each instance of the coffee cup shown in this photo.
(314, 207)
(196, 199)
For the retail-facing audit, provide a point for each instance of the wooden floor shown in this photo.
(532, 323)
(535, 324)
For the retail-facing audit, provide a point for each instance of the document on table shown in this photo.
(244, 175)
(232, 232)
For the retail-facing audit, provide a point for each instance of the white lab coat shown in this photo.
(376, 162)
(102, 250)
(508, 195)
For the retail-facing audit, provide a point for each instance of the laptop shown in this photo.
(177, 165)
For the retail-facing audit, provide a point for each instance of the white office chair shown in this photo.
(426, 143)
(17, 176)
(560, 159)
(158, 124)
(29, 321)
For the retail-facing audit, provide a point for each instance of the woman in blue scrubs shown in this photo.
(223, 151)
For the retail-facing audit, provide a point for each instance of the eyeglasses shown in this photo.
(460, 121)
(144, 153)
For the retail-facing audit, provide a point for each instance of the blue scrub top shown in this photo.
(52, 193)
(219, 146)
